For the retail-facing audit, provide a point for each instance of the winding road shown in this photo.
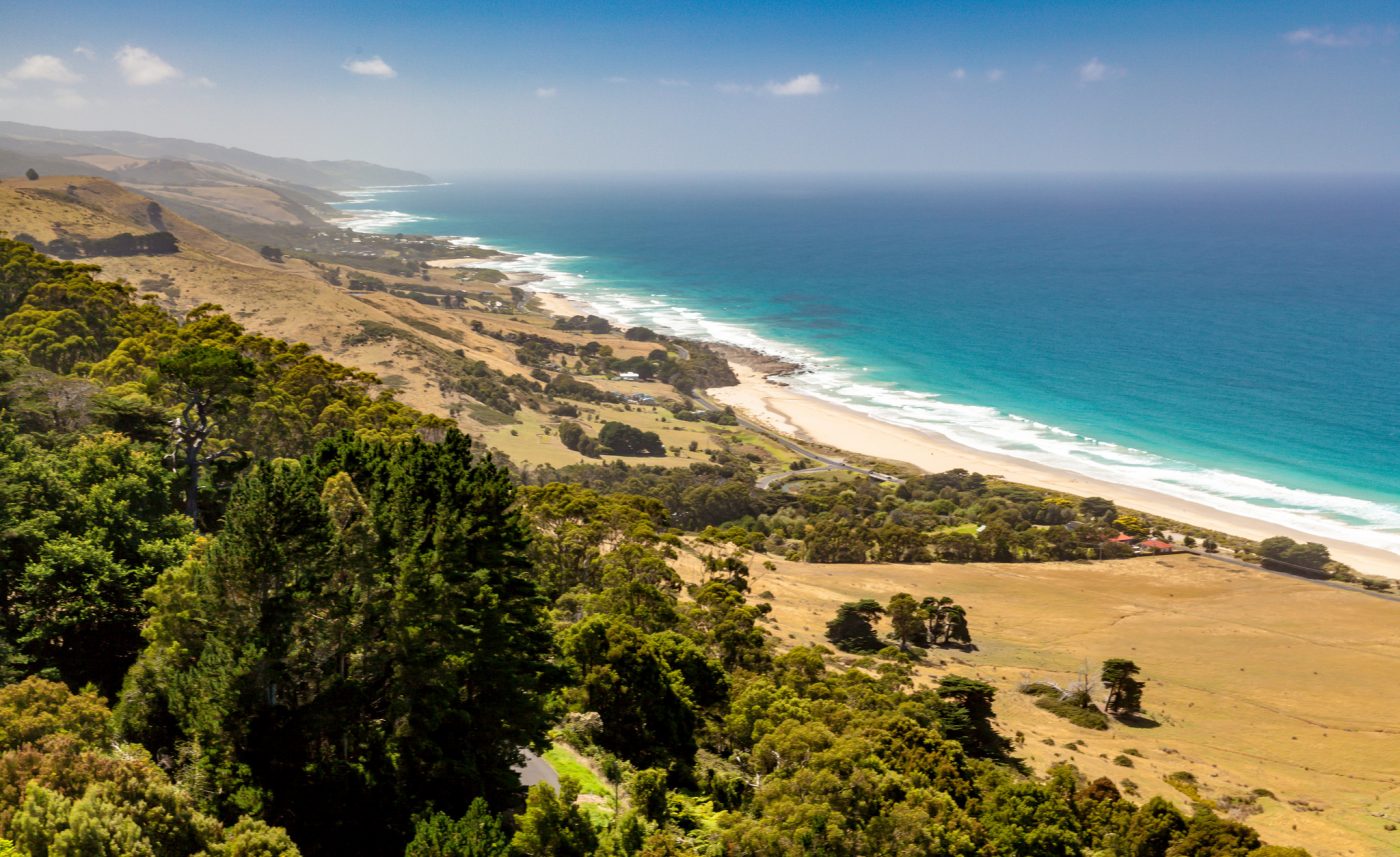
(536, 770)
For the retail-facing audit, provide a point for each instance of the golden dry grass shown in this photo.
(1257, 681)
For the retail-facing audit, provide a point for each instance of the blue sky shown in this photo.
(842, 87)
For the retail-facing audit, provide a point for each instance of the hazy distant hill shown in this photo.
(57, 143)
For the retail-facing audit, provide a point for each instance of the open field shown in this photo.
(1257, 681)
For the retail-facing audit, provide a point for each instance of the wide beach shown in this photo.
(789, 411)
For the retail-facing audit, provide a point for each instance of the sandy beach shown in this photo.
(788, 411)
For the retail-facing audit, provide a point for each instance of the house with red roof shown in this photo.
(1155, 546)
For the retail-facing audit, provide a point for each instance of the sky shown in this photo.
(538, 87)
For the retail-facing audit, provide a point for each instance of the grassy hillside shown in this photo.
(1253, 681)
(394, 325)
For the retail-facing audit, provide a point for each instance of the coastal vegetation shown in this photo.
(330, 623)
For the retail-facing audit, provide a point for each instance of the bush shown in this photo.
(1122, 761)
(1072, 706)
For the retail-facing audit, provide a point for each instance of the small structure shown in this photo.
(628, 376)
(1155, 546)
(1122, 539)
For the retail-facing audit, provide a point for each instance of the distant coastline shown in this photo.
(789, 407)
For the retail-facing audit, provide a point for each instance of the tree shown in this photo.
(971, 723)
(476, 834)
(552, 825)
(205, 378)
(852, 630)
(648, 792)
(946, 621)
(638, 685)
(907, 621)
(360, 611)
(1209, 835)
(836, 540)
(898, 543)
(271, 254)
(31, 174)
(85, 528)
(955, 546)
(621, 439)
(1097, 508)
(35, 708)
(1132, 525)
(1124, 691)
(1284, 554)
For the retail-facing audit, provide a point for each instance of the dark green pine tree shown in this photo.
(361, 640)
(852, 629)
(1124, 691)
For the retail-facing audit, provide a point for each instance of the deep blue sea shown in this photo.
(1230, 341)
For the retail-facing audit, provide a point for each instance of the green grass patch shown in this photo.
(567, 764)
(970, 529)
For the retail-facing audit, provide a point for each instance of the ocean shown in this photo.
(1235, 342)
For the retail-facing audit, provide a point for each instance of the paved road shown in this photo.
(765, 483)
(536, 770)
(1385, 596)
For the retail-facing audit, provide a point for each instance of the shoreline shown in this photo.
(804, 416)
(789, 411)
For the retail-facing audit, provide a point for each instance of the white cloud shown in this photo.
(958, 74)
(140, 67)
(372, 67)
(43, 67)
(995, 75)
(202, 83)
(1097, 71)
(618, 79)
(85, 52)
(1326, 37)
(803, 84)
(546, 92)
(673, 81)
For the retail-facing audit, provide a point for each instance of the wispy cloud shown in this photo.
(372, 67)
(1097, 71)
(1355, 37)
(618, 79)
(803, 84)
(546, 92)
(673, 81)
(996, 75)
(85, 52)
(68, 99)
(140, 67)
(43, 67)
(958, 74)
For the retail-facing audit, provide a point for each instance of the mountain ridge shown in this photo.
(326, 175)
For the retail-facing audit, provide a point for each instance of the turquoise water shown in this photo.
(1233, 342)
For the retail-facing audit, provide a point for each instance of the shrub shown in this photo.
(1073, 706)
